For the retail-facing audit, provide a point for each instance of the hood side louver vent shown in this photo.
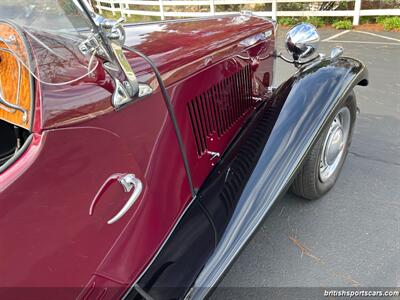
(215, 111)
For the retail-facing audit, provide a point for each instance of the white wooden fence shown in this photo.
(123, 7)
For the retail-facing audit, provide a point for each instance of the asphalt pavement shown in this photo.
(351, 236)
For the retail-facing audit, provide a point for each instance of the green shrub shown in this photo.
(291, 21)
(288, 21)
(380, 19)
(292, 6)
(316, 21)
(391, 23)
(367, 20)
(346, 24)
(329, 20)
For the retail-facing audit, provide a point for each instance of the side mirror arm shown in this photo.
(107, 41)
(297, 63)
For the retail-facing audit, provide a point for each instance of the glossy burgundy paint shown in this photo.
(82, 140)
(180, 49)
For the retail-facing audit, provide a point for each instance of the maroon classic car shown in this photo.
(137, 160)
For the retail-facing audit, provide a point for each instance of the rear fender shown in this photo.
(306, 102)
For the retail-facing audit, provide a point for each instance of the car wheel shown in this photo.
(323, 163)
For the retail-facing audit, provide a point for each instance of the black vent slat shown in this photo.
(242, 105)
(224, 116)
(242, 96)
(212, 112)
(221, 108)
(195, 129)
(204, 115)
(195, 126)
(217, 109)
(230, 107)
(200, 124)
(237, 97)
(246, 83)
(245, 87)
(217, 113)
(209, 112)
(241, 80)
(232, 95)
(227, 104)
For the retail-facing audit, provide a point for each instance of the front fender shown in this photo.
(306, 102)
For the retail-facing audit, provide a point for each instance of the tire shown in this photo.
(319, 171)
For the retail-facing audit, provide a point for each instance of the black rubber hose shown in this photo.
(171, 112)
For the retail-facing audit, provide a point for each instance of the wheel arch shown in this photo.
(306, 102)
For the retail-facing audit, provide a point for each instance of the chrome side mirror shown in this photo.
(302, 41)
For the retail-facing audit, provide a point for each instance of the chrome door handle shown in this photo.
(128, 182)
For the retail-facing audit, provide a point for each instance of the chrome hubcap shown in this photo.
(334, 144)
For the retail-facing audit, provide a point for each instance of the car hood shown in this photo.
(183, 47)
